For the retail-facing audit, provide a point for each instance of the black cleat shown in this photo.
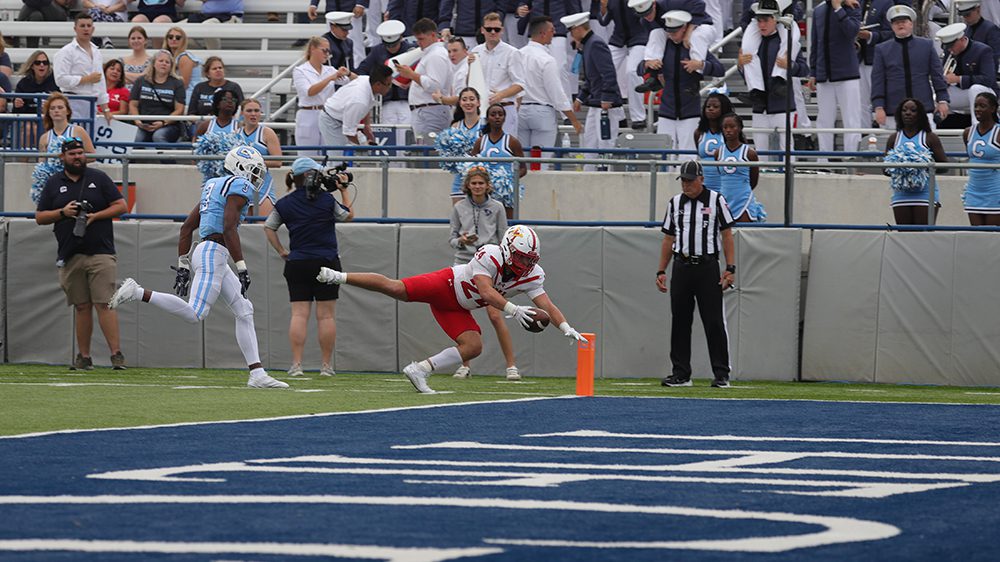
(752, 98)
(652, 84)
(674, 380)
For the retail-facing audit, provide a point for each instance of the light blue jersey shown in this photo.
(917, 198)
(214, 127)
(982, 192)
(734, 181)
(214, 194)
(708, 149)
(256, 140)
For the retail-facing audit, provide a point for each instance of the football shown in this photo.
(539, 321)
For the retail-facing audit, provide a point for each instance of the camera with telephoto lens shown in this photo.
(83, 208)
(329, 180)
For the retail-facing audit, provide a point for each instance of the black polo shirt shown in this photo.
(100, 192)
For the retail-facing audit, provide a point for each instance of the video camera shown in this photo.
(329, 180)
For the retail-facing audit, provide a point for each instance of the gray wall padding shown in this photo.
(976, 319)
(842, 300)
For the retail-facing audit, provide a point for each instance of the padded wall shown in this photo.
(975, 329)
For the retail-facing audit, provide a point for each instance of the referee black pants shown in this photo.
(691, 282)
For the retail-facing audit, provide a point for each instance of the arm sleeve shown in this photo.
(606, 67)
(849, 20)
(668, 220)
(456, 228)
(300, 82)
(365, 66)
(63, 73)
(554, 88)
(353, 114)
(813, 46)
(434, 71)
(937, 76)
(725, 215)
(273, 221)
(445, 9)
(878, 81)
(713, 67)
(340, 212)
(987, 72)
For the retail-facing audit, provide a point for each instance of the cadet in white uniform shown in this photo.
(432, 75)
(314, 83)
(350, 107)
(500, 69)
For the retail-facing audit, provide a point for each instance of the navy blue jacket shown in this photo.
(409, 11)
(378, 55)
(681, 96)
(341, 52)
(875, 13)
(555, 9)
(767, 53)
(468, 18)
(311, 231)
(340, 5)
(601, 83)
(899, 73)
(629, 31)
(988, 33)
(831, 54)
(976, 65)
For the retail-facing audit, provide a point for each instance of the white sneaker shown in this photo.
(462, 372)
(418, 377)
(125, 294)
(265, 381)
(327, 371)
(331, 276)
(296, 370)
(513, 374)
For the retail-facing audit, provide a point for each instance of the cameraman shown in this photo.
(310, 212)
(81, 202)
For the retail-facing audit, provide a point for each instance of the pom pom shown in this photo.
(455, 141)
(908, 180)
(756, 210)
(41, 174)
(212, 144)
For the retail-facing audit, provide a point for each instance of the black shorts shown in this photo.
(302, 284)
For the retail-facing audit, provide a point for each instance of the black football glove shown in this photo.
(182, 283)
(244, 281)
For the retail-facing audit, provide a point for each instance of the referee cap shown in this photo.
(642, 7)
(691, 170)
(900, 11)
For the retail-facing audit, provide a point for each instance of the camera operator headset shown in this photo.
(310, 212)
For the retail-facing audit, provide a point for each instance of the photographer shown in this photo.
(81, 202)
(310, 212)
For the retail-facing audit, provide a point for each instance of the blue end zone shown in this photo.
(563, 479)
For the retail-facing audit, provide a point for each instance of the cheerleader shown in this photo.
(459, 139)
(913, 141)
(265, 140)
(56, 113)
(496, 143)
(224, 123)
(708, 135)
(982, 192)
(736, 183)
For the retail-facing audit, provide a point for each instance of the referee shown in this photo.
(692, 227)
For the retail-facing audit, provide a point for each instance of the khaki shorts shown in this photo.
(89, 279)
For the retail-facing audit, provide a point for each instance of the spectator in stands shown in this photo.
(138, 61)
(157, 11)
(652, 13)
(875, 29)
(974, 71)
(834, 70)
(433, 74)
(341, 45)
(499, 61)
(751, 42)
(43, 10)
(395, 109)
(544, 98)
(736, 183)
(186, 65)
(5, 66)
(311, 215)
(906, 57)
(459, 57)
(461, 18)
(982, 192)
(627, 43)
(224, 104)
(350, 107)
(410, 12)
(201, 96)
(106, 11)
(314, 84)
(218, 11)
(159, 92)
(459, 139)
(87, 264)
(559, 45)
(265, 140)
(497, 142)
(476, 220)
(56, 113)
(118, 93)
(708, 135)
(913, 141)
(979, 28)
(36, 78)
(353, 25)
(79, 70)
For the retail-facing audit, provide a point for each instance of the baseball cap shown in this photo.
(303, 165)
(72, 143)
(690, 170)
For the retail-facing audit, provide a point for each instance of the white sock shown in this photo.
(258, 372)
(173, 304)
(445, 360)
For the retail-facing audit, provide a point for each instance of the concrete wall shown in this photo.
(570, 196)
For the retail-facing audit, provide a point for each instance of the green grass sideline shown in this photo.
(35, 398)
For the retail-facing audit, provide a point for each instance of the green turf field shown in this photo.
(44, 398)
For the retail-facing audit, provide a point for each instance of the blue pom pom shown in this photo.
(212, 144)
(908, 180)
(756, 210)
(41, 174)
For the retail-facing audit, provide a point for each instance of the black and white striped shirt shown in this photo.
(695, 224)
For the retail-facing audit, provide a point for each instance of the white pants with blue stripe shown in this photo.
(212, 279)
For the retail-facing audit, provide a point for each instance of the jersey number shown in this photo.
(469, 289)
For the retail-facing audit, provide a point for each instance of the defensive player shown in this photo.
(495, 273)
(223, 206)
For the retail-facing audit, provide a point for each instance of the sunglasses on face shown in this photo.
(174, 37)
(492, 29)
(40, 63)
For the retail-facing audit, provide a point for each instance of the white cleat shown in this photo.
(418, 377)
(296, 370)
(462, 372)
(327, 371)
(265, 381)
(331, 276)
(513, 374)
(125, 294)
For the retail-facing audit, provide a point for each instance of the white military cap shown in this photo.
(574, 20)
(950, 33)
(391, 31)
(676, 19)
(966, 5)
(342, 19)
(641, 6)
(900, 11)
(765, 8)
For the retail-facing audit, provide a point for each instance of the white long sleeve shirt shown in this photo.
(304, 76)
(351, 103)
(499, 66)
(72, 63)
(436, 75)
(540, 71)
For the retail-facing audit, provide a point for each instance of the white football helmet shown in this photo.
(520, 249)
(246, 162)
